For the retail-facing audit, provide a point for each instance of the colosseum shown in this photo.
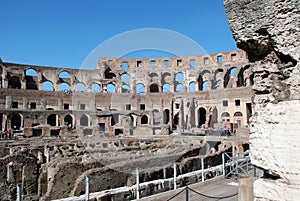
(126, 96)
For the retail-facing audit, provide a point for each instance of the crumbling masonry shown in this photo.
(128, 96)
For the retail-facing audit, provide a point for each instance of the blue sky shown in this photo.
(63, 32)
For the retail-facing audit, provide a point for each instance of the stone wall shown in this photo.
(268, 30)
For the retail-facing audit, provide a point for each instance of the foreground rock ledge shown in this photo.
(269, 30)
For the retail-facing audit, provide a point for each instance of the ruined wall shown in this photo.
(268, 30)
(125, 96)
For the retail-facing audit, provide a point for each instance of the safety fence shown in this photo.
(234, 166)
(187, 190)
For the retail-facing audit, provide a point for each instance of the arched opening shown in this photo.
(166, 116)
(95, 87)
(68, 121)
(64, 75)
(31, 72)
(84, 120)
(80, 87)
(154, 77)
(52, 120)
(238, 118)
(48, 86)
(205, 86)
(179, 77)
(125, 78)
(238, 114)
(64, 87)
(154, 88)
(16, 121)
(167, 78)
(201, 116)
(111, 88)
(156, 117)
(14, 82)
(218, 75)
(225, 117)
(144, 119)
(176, 121)
(140, 89)
(31, 79)
(109, 74)
(228, 79)
(166, 88)
(225, 114)
(125, 88)
(192, 86)
(179, 88)
(232, 71)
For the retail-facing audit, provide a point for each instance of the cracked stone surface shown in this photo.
(269, 31)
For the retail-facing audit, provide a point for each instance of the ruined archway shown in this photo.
(154, 88)
(31, 79)
(144, 120)
(84, 120)
(14, 82)
(52, 120)
(16, 121)
(166, 116)
(201, 116)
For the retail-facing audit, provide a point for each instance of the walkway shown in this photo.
(214, 188)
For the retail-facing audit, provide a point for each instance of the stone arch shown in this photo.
(64, 75)
(111, 88)
(110, 75)
(144, 120)
(166, 116)
(95, 88)
(64, 86)
(229, 77)
(167, 78)
(31, 79)
(125, 88)
(153, 77)
(192, 86)
(16, 121)
(14, 82)
(48, 86)
(179, 88)
(166, 88)
(84, 120)
(201, 116)
(238, 114)
(31, 72)
(218, 77)
(53, 120)
(125, 77)
(179, 77)
(69, 120)
(238, 118)
(154, 88)
(140, 89)
(176, 121)
(225, 114)
(156, 117)
(80, 87)
(203, 80)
